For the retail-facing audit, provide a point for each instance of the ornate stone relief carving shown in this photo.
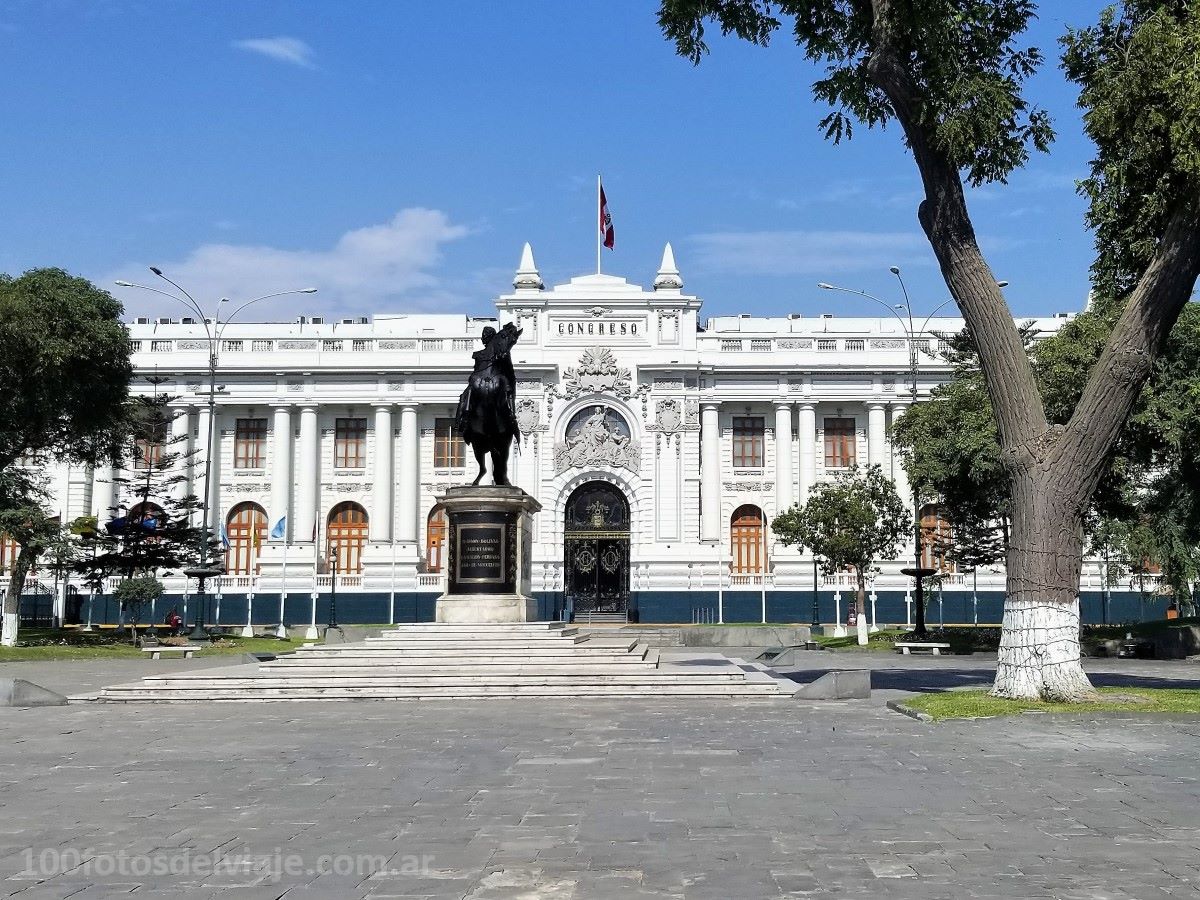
(792, 344)
(529, 416)
(673, 416)
(597, 443)
(191, 345)
(668, 384)
(750, 486)
(346, 487)
(397, 345)
(598, 311)
(244, 487)
(296, 345)
(887, 344)
(597, 372)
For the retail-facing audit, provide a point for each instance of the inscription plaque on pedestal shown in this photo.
(481, 548)
(488, 567)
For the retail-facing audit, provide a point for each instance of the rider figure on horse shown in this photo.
(487, 414)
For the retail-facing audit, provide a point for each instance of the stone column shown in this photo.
(202, 485)
(103, 493)
(710, 474)
(281, 472)
(410, 476)
(307, 475)
(214, 474)
(899, 476)
(381, 493)
(808, 449)
(783, 457)
(876, 434)
(181, 440)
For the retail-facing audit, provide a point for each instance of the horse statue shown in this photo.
(487, 415)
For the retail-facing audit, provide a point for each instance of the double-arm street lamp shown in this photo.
(214, 328)
(911, 333)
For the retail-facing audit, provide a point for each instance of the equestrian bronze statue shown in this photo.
(487, 412)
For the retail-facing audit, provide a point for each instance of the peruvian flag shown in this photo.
(606, 225)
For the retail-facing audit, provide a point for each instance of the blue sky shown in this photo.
(397, 155)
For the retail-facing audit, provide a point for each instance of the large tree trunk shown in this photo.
(12, 597)
(1055, 469)
(1039, 643)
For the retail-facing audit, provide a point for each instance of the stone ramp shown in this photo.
(416, 662)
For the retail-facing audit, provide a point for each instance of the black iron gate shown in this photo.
(596, 551)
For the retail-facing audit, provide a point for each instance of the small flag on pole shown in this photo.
(280, 528)
(607, 235)
(224, 538)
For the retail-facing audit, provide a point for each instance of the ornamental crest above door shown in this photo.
(597, 435)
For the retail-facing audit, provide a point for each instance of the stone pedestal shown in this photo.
(489, 545)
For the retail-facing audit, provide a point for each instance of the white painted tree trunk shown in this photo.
(11, 621)
(861, 620)
(1039, 652)
(1039, 643)
(12, 597)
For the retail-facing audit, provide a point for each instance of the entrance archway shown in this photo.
(596, 549)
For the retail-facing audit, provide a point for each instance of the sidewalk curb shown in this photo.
(898, 706)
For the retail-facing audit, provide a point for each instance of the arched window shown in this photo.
(936, 542)
(246, 528)
(746, 537)
(435, 539)
(347, 531)
(149, 514)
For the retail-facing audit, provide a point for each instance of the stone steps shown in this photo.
(694, 687)
(400, 666)
(356, 651)
(462, 662)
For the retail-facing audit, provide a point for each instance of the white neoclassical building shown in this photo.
(659, 445)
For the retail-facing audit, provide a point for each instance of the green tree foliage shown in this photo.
(951, 74)
(36, 533)
(64, 364)
(157, 532)
(65, 370)
(849, 522)
(962, 55)
(135, 594)
(1147, 507)
(1139, 74)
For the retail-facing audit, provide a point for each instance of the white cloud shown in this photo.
(379, 268)
(807, 252)
(284, 49)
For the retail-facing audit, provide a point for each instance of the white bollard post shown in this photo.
(312, 634)
(839, 630)
(908, 602)
(248, 628)
(874, 621)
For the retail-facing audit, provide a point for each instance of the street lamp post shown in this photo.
(214, 328)
(918, 572)
(333, 563)
(816, 611)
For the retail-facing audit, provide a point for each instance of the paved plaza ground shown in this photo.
(598, 799)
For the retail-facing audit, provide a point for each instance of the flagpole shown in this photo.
(281, 632)
(599, 224)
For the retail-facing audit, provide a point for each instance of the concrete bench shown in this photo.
(158, 650)
(933, 647)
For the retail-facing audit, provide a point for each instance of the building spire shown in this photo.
(668, 278)
(528, 278)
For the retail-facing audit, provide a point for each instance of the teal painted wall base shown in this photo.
(647, 607)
